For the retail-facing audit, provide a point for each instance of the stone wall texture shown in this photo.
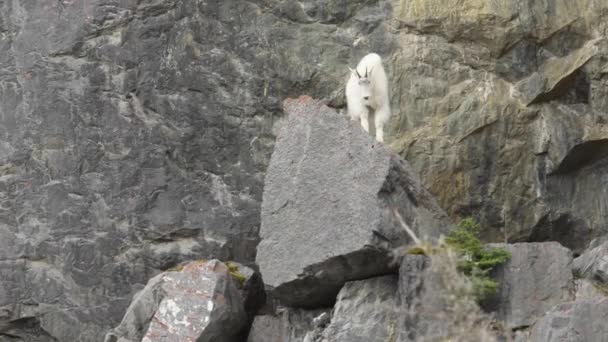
(135, 134)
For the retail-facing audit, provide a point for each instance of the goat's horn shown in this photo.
(365, 72)
(357, 72)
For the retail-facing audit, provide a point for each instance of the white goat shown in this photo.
(367, 89)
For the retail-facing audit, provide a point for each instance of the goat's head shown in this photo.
(365, 84)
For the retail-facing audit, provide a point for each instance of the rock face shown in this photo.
(575, 321)
(503, 110)
(413, 321)
(134, 135)
(201, 302)
(536, 278)
(435, 302)
(327, 214)
(416, 305)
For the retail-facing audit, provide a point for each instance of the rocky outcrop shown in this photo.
(327, 214)
(556, 75)
(427, 300)
(436, 303)
(134, 135)
(503, 112)
(200, 301)
(537, 277)
(411, 286)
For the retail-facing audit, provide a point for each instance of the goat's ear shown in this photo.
(354, 72)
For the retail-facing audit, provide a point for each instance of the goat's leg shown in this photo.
(379, 130)
(365, 120)
(380, 119)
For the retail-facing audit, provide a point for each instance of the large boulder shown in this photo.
(436, 302)
(537, 277)
(199, 302)
(327, 211)
(414, 322)
(426, 301)
(288, 325)
(365, 310)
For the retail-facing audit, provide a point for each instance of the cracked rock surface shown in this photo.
(199, 302)
(328, 208)
(135, 134)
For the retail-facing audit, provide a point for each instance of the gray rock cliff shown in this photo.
(135, 134)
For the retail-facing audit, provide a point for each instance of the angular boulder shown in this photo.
(419, 304)
(200, 302)
(327, 211)
(288, 325)
(365, 311)
(435, 303)
(251, 287)
(412, 285)
(536, 278)
(583, 320)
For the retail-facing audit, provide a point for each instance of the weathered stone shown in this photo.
(251, 287)
(593, 264)
(581, 320)
(555, 74)
(413, 322)
(498, 26)
(327, 214)
(288, 325)
(537, 277)
(528, 168)
(586, 289)
(134, 136)
(436, 302)
(34, 320)
(200, 302)
(365, 310)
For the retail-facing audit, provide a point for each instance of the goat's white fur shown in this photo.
(367, 89)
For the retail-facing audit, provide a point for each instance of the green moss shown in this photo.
(424, 248)
(7, 169)
(476, 261)
(234, 271)
(416, 251)
(176, 268)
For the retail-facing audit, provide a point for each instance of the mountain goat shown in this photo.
(367, 89)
